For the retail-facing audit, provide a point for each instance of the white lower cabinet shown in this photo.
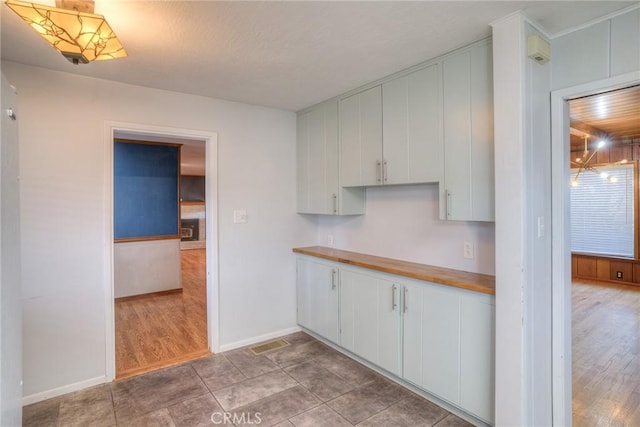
(431, 345)
(477, 343)
(370, 318)
(317, 286)
(437, 337)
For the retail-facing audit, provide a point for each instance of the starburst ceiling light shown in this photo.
(72, 28)
(584, 163)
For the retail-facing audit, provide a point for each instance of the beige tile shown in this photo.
(147, 393)
(253, 389)
(297, 353)
(454, 421)
(250, 364)
(320, 416)
(367, 400)
(195, 412)
(278, 407)
(41, 414)
(217, 371)
(159, 418)
(346, 368)
(285, 423)
(319, 381)
(92, 406)
(298, 338)
(409, 412)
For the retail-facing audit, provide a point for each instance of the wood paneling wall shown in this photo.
(605, 269)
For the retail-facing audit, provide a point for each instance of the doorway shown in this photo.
(605, 262)
(151, 331)
(563, 263)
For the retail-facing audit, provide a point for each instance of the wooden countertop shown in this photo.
(445, 276)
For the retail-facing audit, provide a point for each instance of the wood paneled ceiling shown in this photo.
(614, 116)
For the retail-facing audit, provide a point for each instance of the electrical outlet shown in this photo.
(619, 274)
(468, 250)
(330, 239)
(239, 216)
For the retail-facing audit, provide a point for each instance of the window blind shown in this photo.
(602, 212)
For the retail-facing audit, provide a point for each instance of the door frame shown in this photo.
(560, 237)
(210, 139)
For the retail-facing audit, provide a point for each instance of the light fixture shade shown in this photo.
(80, 37)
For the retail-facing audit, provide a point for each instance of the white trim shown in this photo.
(561, 256)
(213, 289)
(59, 391)
(596, 21)
(259, 338)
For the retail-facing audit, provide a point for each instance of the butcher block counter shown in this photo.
(460, 279)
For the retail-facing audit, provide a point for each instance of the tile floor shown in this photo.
(304, 384)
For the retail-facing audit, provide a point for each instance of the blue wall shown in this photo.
(146, 179)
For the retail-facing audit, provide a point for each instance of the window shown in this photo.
(603, 211)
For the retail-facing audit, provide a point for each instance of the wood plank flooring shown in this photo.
(606, 354)
(159, 330)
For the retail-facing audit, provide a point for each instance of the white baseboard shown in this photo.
(260, 338)
(55, 392)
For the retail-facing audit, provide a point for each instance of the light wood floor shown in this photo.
(606, 354)
(159, 330)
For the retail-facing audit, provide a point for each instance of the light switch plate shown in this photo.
(239, 216)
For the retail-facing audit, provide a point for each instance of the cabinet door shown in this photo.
(317, 296)
(319, 191)
(467, 192)
(412, 137)
(317, 159)
(477, 342)
(361, 138)
(302, 157)
(431, 345)
(369, 319)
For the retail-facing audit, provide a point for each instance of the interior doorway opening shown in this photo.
(605, 261)
(562, 262)
(152, 329)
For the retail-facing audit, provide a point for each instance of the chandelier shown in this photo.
(72, 29)
(585, 163)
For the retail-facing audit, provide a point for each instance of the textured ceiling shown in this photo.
(288, 55)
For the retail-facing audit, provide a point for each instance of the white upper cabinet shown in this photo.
(391, 134)
(411, 131)
(467, 192)
(319, 190)
(361, 138)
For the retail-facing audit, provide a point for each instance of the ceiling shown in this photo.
(288, 55)
(614, 116)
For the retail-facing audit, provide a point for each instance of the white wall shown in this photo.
(402, 222)
(146, 266)
(523, 232)
(63, 215)
(537, 155)
(10, 308)
(604, 49)
(596, 58)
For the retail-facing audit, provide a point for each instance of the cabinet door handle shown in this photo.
(378, 172)
(333, 279)
(335, 203)
(449, 197)
(384, 172)
(405, 303)
(394, 303)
